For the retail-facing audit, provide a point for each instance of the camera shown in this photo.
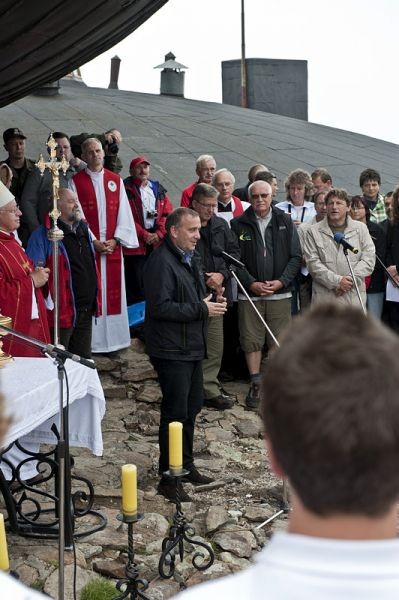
(152, 214)
(113, 147)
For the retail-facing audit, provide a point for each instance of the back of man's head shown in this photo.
(331, 411)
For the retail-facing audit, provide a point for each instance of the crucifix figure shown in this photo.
(55, 234)
(54, 166)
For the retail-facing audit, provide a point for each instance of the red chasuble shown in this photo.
(16, 297)
(88, 200)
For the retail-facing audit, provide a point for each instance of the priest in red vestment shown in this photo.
(20, 295)
(106, 208)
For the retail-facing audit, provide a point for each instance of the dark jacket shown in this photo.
(392, 256)
(217, 234)
(176, 317)
(379, 237)
(287, 254)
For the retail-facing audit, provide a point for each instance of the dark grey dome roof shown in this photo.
(172, 132)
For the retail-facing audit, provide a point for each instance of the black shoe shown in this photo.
(220, 402)
(196, 477)
(227, 394)
(168, 489)
(253, 397)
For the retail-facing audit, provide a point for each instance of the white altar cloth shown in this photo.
(31, 390)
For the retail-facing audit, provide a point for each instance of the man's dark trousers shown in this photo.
(182, 391)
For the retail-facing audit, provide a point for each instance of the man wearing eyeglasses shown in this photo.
(215, 234)
(20, 294)
(271, 252)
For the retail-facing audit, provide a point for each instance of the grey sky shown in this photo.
(350, 47)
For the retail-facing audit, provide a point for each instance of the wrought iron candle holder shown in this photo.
(134, 586)
(180, 531)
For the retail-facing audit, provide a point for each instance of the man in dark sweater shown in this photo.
(78, 281)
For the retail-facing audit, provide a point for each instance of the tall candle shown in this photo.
(175, 446)
(4, 563)
(129, 490)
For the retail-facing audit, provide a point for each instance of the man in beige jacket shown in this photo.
(326, 260)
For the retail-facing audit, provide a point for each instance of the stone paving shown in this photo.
(228, 447)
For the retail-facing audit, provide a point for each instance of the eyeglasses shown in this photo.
(208, 206)
(11, 210)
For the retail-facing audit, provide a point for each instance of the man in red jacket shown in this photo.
(150, 206)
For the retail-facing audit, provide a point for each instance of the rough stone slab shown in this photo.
(215, 517)
(248, 427)
(139, 374)
(82, 578)
(234, 561)
(258, 514)
(163, 589)
(110, 568)
(217, 434)
(27, 574)
(103, 363)
(149, 393)
(210, 486)
(240, 543)
(114, 391)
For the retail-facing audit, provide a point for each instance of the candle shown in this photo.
(129, 490)
(4, 564)
(175, 446)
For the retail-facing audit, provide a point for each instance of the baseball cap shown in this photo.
(13, 132)
(138, 160)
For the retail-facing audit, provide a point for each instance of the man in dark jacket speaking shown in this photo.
(271, 252)
(177, 312)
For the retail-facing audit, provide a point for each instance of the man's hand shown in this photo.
(259, 288)
(151, 239)
(99, 246)
(214, 280)
(392, 270)
(345, 285)
(273, 286)
(110, 246)
(215, 309)
(40, 276)
(114, 136)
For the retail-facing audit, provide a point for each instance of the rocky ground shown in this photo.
(226, 513)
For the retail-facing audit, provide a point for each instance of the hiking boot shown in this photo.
(253, 397)
(220, 402)
(196, 478)
(167, 488)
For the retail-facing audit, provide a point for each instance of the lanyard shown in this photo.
(303, 211)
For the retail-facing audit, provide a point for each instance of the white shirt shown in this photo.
(12, 589)
(303, 214)
(299, 567)
(148, 202)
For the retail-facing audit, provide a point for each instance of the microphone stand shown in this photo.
(230, 266)
(64, 476)
(284, 506)
(354, 280)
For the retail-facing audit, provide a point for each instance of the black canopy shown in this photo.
(41, 42)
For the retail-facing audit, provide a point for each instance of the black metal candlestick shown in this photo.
(134, 586)
(179, 532)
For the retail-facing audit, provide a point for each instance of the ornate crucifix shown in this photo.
(55, 234)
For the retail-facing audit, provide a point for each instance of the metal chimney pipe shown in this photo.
(115, 64)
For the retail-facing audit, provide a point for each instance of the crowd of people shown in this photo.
(222, 277)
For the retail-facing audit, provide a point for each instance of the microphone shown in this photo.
(218, 251)
(340, 239)
(56, 350)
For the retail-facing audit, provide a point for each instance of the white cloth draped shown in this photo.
(31, 391)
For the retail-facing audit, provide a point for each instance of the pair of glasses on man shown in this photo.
(10, 210)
